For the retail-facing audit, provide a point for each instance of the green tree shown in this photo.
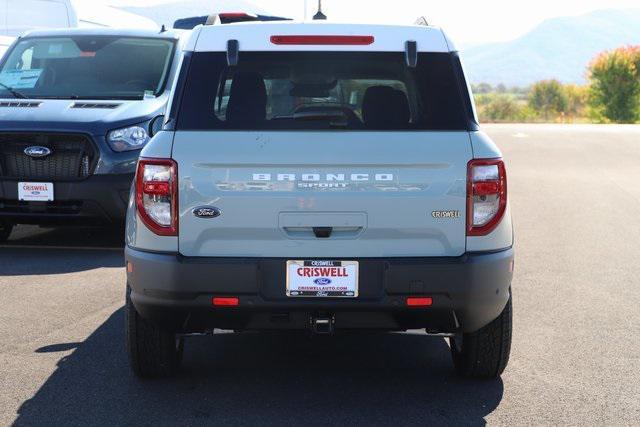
(548, 98)
(482, 88)
(615, 85)
(577, 97)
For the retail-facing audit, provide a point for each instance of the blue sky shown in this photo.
(467, 21)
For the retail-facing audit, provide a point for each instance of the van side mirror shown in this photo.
(156, 125)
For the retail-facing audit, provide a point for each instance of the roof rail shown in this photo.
(212, 20)
(422, 21)
(230, 18)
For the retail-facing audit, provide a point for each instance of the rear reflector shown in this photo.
(323, 40)
(419, 301)
(225, 302)
(157, 188)
(485, 188)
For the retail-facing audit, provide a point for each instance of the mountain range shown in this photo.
(558, 48)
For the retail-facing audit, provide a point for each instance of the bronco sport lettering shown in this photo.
(313, 177)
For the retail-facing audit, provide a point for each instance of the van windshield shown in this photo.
(323, 91)
(86, 67)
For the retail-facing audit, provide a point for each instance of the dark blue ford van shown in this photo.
(76, 108)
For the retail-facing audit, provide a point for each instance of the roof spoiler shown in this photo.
(411, 53)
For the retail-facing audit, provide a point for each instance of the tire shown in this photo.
(153, 352)
(484, 354)
(5, 230)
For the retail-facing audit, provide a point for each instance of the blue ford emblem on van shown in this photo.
(323, 281)
(37, 152)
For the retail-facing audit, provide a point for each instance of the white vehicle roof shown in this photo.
(92, 14)
(256, 36)
(18, 16)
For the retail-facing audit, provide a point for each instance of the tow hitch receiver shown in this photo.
(322, 324)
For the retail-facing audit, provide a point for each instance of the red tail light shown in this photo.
(486, 195)
(419, 302)
(225, 302)
(157, 195)
(323, 40)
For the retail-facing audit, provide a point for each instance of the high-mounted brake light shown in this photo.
(486, 195)
(157, 195)
(323, 40)
(237, 15)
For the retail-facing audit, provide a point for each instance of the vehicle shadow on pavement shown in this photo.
(264, 379)
(36, 261)
(68, 237)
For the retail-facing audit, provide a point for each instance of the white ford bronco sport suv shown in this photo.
(320, 176)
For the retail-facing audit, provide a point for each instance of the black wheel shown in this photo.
(5, 230)
(153, 352)
(485, 353)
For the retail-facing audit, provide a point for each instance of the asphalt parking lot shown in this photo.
(575, 360)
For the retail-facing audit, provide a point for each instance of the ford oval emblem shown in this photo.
(323, 281)
(207, 212)
(37, 152)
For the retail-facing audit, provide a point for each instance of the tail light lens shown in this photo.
(157, 195)
(419, 302)
(486, 195)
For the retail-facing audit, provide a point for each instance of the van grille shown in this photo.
(73, 207)
(73, 157)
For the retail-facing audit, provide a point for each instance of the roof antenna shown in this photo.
(319, 16)
(163, 29)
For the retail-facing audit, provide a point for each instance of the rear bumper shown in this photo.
(468, 292)
(99, 199)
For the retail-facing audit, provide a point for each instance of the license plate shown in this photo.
(322, 279)
(35, 191)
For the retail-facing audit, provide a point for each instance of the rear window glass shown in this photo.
(322, 91)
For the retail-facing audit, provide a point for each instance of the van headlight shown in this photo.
(129, 138)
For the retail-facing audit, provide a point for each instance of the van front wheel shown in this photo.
(153, 352)
(5, 230)
(485, 353)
